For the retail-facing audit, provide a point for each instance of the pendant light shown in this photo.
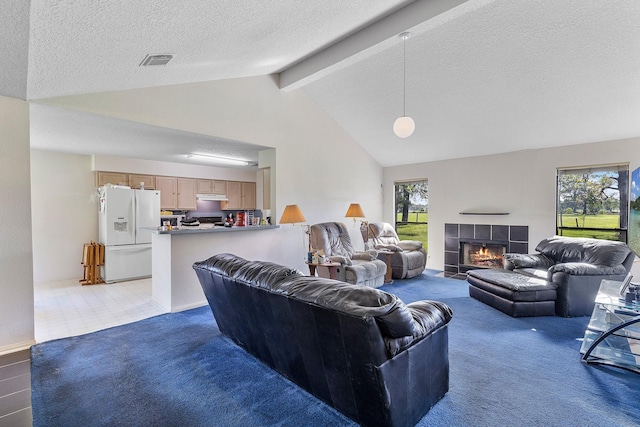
(404, 125)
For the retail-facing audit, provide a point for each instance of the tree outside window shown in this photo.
(412, 211)
(593, 202)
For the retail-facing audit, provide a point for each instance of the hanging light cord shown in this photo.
(404, 75)
(404, 125)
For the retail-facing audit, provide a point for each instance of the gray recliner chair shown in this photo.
(409, 258)
(360, 268)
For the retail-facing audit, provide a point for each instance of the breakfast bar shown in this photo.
(174, 285)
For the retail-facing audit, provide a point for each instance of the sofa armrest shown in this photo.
(365, 256)
(586, 269)
(428, 316)
(340, 260)
(410, 245)
(389, 248)
(513, 261)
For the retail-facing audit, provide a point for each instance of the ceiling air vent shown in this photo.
(156, 60)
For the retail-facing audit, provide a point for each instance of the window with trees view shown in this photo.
(593, 202)
(412, 211)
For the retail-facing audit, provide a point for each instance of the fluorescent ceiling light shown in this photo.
(218, 159)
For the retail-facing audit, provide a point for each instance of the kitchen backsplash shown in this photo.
(211, 208)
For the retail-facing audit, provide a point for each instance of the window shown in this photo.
(593, 202)
(412, 211)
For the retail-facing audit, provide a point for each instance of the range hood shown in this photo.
(218, 197)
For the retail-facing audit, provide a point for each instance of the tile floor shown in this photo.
(67, 308)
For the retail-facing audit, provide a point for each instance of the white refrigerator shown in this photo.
(123, 214)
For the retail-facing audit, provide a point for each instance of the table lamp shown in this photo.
(355, 212)
(293, 215)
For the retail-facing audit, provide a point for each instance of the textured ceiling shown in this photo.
(483, 76)
(96, 46)
(511, 75)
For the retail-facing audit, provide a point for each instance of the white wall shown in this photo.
(319, 166)
(65, 214)
(521, 183)
(16, 274)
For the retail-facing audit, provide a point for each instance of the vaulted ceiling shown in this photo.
(482, 76)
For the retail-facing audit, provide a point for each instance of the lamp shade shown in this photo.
(354, 211)
(291, 215)
(404, 126)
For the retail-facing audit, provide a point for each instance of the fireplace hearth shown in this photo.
(474, 246)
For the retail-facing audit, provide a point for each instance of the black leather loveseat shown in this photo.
(562, 278)
(359, 349)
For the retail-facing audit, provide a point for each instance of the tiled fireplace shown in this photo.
(472, 246)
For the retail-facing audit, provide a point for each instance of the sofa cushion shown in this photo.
(333, 238)
(512, 288)
(586, 269)
(593, 251)
(382, 234)
(263, 274)
(362, 271)
(512, 281)
(528, 260)
(391, 314)
(225, 264)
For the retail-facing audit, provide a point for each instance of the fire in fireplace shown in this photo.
(482, 254)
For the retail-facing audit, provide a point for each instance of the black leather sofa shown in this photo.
(361, 350)
(565, 274)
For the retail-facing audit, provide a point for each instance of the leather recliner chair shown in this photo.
(564, 276)
(576, 266)
(360, 268)
(409, 258)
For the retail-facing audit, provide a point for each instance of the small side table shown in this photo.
(613, 336)
(388, 279)
(328, 270)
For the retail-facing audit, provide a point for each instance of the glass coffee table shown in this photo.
(613, 335)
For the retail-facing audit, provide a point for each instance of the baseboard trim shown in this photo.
(14, 348)
(189, 306)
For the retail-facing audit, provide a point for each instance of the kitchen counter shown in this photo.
(208, 228)
(175, 286)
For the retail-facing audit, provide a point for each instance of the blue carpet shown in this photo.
(178, 370)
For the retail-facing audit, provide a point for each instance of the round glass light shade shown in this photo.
(404, 126)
